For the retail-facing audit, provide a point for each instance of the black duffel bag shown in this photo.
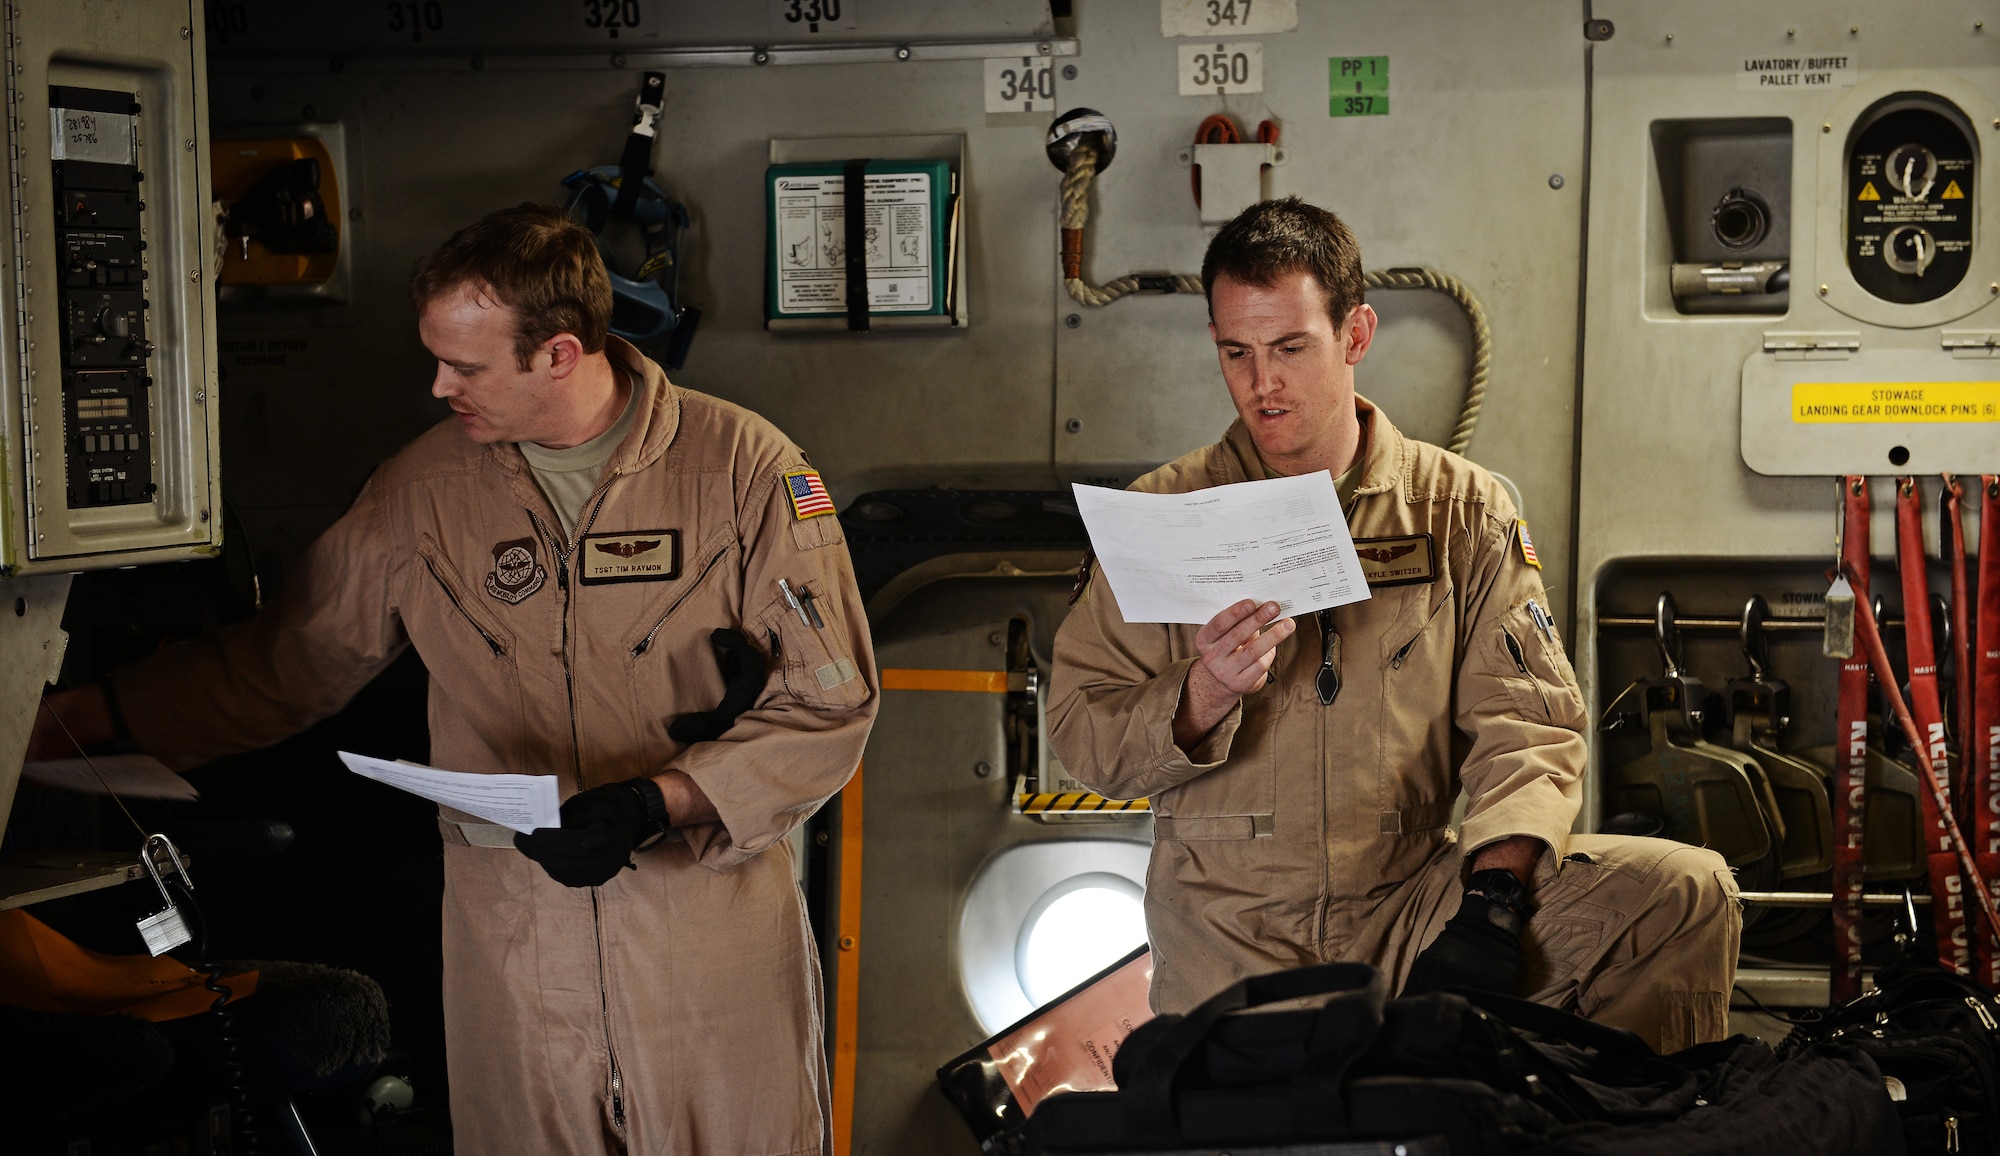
(1933, 1035)
(1320, 1054)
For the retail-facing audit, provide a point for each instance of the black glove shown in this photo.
(1480, 947)
(601, 828)
(743, 674)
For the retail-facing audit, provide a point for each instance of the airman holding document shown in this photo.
(1304, 772)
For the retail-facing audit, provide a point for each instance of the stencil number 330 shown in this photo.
(812, 11)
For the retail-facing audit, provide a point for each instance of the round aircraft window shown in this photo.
(1041, 909)
(1077, 928)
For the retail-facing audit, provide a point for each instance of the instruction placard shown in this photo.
(1767, 73)
(809, 216)
(1856, 402)
(1357, 86)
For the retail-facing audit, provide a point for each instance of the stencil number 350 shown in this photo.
(1215, 68)
(812, 11)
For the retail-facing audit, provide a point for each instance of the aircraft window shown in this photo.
(1078, 927)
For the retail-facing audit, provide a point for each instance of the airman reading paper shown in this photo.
(1184, 557)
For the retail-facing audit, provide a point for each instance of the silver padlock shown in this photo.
(168, 929)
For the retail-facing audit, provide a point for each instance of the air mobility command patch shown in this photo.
(1527, 544)
(516, 572)
(643, 556)
(1402, 560)
(808, 494)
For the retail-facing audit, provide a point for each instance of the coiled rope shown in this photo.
(1076, 183)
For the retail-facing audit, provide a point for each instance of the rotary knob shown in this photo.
(1911, 169)
(1909, 249)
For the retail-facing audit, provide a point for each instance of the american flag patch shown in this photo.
(1527, 545)
(808, 494)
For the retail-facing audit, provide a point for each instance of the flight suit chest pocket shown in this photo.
(811, 651)
(1527, 654)
(461, 620)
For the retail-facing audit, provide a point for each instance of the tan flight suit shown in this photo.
(677, 1008)
(1297, 833)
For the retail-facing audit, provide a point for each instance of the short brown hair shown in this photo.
(1273, 239)
(534, 260)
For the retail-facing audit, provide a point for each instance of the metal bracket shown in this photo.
(1232, 175)
(1812, 346)
(1971, 342)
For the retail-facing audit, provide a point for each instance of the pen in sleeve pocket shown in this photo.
(792, 600)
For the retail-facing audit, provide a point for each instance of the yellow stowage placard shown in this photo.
(1820, 402)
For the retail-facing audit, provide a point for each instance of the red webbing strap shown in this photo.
(1982, 741)
(1870, 635)
(1850, 796)
(1947, 890)
(1951, 547)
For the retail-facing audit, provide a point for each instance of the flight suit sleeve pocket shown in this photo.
(815, 664)
(1534, 669)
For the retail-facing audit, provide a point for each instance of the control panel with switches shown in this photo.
(107, 436)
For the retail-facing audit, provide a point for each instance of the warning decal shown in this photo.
(1868, 193)
(1952, 193)
(1869, 402)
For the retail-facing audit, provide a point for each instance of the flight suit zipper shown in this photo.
(699, 579)
(458, 605)
(562, 556)
(1521, 664)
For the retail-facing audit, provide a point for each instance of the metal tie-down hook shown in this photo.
(1750, 634)
(1667, 636)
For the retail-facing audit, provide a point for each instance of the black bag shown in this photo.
(1318, 1054)
(1932, 1034)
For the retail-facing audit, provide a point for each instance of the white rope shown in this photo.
(1076, 183)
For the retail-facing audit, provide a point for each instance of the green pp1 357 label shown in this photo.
(1357, 86)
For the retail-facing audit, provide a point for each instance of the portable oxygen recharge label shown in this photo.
(904, 239)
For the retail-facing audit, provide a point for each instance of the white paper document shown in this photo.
(521, 802)
(1185, 557)
(132, 776)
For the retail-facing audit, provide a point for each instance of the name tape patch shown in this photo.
(808, 494)
(1404, 560)
(637, 556)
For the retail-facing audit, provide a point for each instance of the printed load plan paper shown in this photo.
(521, 802)
(1185, 557)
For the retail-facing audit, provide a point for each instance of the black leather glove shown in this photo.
(743, 673)
(1480, 947)
(601, 828)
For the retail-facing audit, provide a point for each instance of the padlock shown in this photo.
(168, 929)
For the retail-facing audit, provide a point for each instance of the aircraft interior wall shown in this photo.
(1565, 161)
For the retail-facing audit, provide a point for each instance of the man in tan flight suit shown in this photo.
(561, 552)
(1304, 772)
